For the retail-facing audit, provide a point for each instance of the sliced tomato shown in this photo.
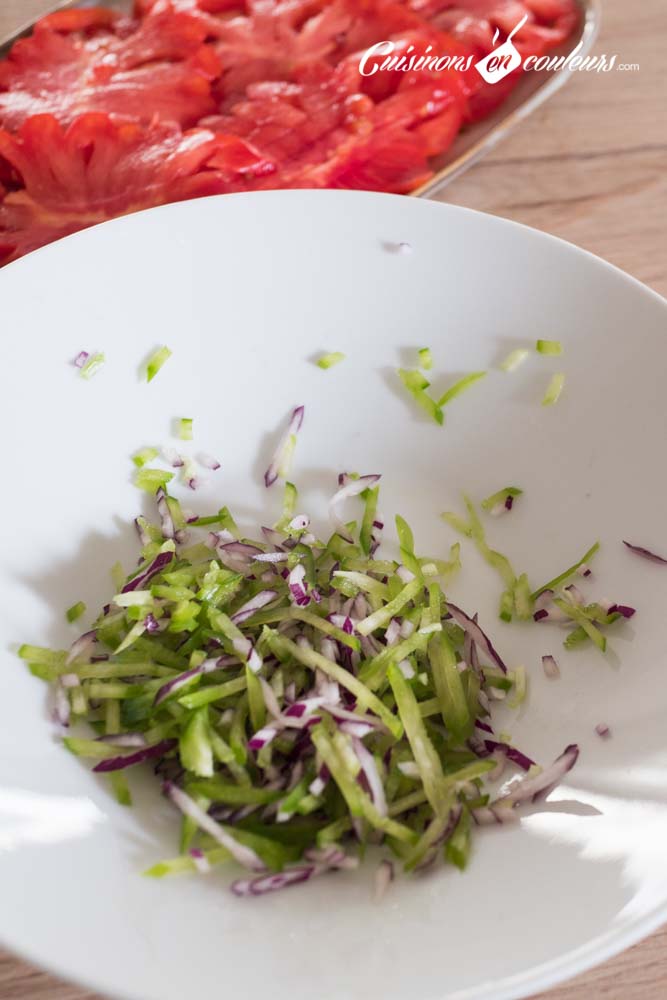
(64, 178)
(143, 7)
(393, 161)
(23, 230)
(550, 22)
(69, 66)
(79, 19)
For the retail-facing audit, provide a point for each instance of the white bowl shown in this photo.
(245, 290)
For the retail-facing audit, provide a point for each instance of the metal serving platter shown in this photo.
(476, 141)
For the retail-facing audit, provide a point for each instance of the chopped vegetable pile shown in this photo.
(102, 113)
(301, 698)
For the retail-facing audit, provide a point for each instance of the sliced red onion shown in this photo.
(645, 553)
(176, 683)
(384, 876)
(372, 775)
(189, 515)
(540, 615)
(360, 607)
(144, 537)
(70, 681)
(603, 730)
(407, 628)
(297, 586)
(484, 726)
(200, 861)
(501, 507)
(247, 651)
(484, 701)
(299, 523)
(161, 560)
(256, 603)
(272, 883)
(346, 607)
(356, 729)
(336, 859)
(550, 667)
(621, 609)
(304, 707)
(351, 489)
(501, 762)
(215, 538)
(370, 646)
(243, 855)
(226, 661)
(237, 555)
(343, 622)
(123, 739)
(166, 520)
(317, 786)
(197, 482)
(83, 646)
(327, 688)
(476, 634)
(80, 359)
(172, 457)
(543, 600)
(406, 669)
(270, 700)
(61, 705)
(541, 784)
(141, 755)
(575, 594)
(331, 857)
(151, 624)
(207, 461)
(490, 815)
(354, 723)
(283, 452)
(273, 537)
(329, 649)
(262, 737)
(584, 570)
(392, 632)
(516, 756)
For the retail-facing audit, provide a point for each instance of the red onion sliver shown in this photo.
(384, 876)
(141, 755)
(207, 461)
(550, 667)
(369, 769)
(351, 489)
(476, 634)
(256, 603)
(283, 451)
(645, 553)
(541, 784)
(244, 855)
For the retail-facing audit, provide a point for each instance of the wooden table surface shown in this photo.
(590, 167)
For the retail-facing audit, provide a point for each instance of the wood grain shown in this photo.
(590, 167)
